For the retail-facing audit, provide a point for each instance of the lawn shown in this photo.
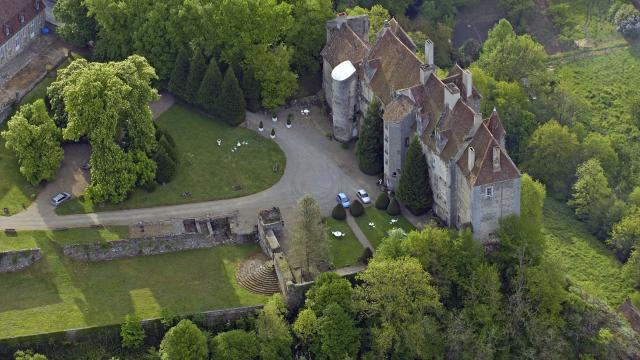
(57, 293)
(27, 239)
(15, 192)
(206, 170)
(346, 250)
(382, 222)
(584, 259)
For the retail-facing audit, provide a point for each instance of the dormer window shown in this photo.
(7, 30)
(37, 4)
(21, 17)
(488, 192)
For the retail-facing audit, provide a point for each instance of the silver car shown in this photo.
(363, 196)
(60, 198)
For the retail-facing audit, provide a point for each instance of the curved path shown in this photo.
(315, 165)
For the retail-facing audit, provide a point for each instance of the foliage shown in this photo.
(338, 212)
(377, 14)
(273, 331)
(329, 288)
(180, 74)
(166, 165)
(197, 69)
(309, 247)
(307, 36)
(516, 9)
(598, 146)
(510, 57)
(251, 90)
(532, 194)
(553, 153)
(306, 328)
(337, 334)
(209, 91)
(35, 139)
(394, 207)
(370, 143)
(28, 355)
(398, 301)
(414, 189)
(382, 202)
(625, 235)
(185, 342)
(592, 196)
(76, 27)
(356, 209)
(231, 104)
(235, 345)
(132, 333)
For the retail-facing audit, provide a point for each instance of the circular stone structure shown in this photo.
(257, 274)
(344, 80)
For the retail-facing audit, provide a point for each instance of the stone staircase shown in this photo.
(258, 276)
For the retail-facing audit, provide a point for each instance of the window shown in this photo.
(488, 192)
(395, 174)
(21, 17)
(406, 142)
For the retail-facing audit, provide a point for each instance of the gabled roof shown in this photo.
(398, 109)
(344, 45)
(398, 67)
(11, 12)
(494, 125)
(483, 173)
(401, 34)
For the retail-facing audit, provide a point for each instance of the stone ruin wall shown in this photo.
(12, 261)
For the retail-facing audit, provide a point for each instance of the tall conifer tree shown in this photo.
(370, 143)
(251, 90)
(414, 190)
(178, 81)
(209, 90)
(196, 73)
(231, 101)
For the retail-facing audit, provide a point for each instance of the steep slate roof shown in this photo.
(398, 109)
(401, 34)
(494, 125)
(398, 67)
(482, 173)
(10, 11)
(344, 45)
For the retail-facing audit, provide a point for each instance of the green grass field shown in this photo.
(15, 192)
(580, 256)
(206, 170)
(28, 239)
(58, 293)
(346, 250)
(382, 222)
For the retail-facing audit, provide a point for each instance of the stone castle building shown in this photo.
(20, 23)
(474, 181)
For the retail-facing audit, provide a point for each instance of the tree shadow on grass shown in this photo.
(30, 288)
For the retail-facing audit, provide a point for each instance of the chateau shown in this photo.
(474, 181)
(21, 21)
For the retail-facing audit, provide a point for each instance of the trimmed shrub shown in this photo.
(394, 208)
(338, 212)
(170, 149)
(382, 202)
(166, 169)
(184, 342)
(356, 209)
(28, 355)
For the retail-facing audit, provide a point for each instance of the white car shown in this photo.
(60, 198)
(363, 196)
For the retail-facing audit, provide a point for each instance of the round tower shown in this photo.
(344, 80)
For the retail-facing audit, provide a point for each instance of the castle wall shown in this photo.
(440, 180)
(463, 199)
(397, 137)
(326, 83)
(344, 82)
(487, 211)
(20, 40)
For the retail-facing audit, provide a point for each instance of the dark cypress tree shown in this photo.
(178, 80)
(210, 88)
(196, 73)
(370, 145)
(231, 102)
(166, 166)
(414, 190)
(251, 90)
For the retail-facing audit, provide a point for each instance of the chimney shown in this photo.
(496, 159)
(428, 52)
(467, 81)
(425, 73)
(471, 161)
(477, 121)
(451, 95)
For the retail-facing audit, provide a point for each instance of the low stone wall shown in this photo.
(150, 246)
(11, 261)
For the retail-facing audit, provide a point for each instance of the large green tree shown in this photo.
(180, 73)
(370, 145)
(307, 36)
(414, 190)
(377, 16)
(194, 79)
(108, 104)
(338, 335)
(329, 288)
(553, 153)
(309, 248)
(592, 196)
(625, 236)
(273, 331)
(235, 345)
(598, 146)
(34, 137)
(184, 342)
(76, 26)
(398, 301)
(231, 104)
(210, 89)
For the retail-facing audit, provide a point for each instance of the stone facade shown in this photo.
(12, 261)
(149, 246)
(474, 181)
(20, 23)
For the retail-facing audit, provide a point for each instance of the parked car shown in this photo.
(363, 196)
(60, 198)
(343, 199)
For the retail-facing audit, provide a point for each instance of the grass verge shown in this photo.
(345, 250)
(382, 222)
(28, 239)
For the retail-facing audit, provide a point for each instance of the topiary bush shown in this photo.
(382, 202)
(356, 209)
(338, 212)
(394, 208)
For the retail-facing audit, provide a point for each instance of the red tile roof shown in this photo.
(344, 45)
(11, 12)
